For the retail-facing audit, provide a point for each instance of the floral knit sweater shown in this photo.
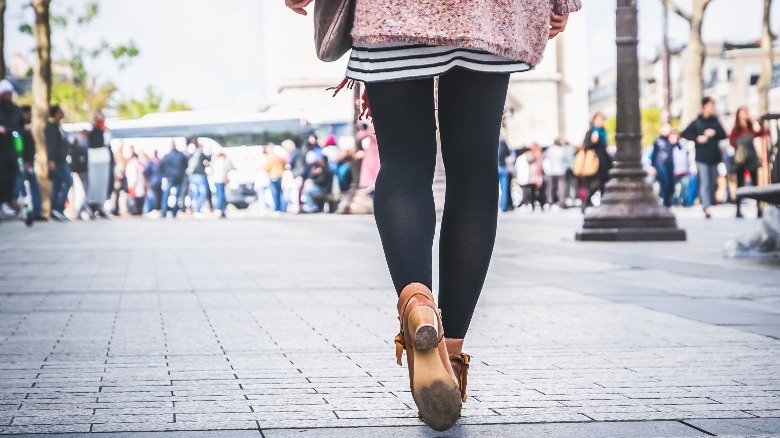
(516, 29)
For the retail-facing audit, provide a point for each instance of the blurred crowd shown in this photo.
(700, 165)
(90, 179)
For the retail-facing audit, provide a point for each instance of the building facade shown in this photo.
(730, 75)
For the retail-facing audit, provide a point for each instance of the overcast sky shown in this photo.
(206, 52)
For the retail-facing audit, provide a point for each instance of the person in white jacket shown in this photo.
(220, 170)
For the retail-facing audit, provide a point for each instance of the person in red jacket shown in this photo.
(746, 157)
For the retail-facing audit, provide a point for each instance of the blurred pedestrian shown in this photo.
(663, 163)
(220, 171)
(321, 185)
(746, 158)
(369, 162)
(530, 176)
(331, 150)
(153, 176)
(198, 182)
(596, 140)
(296, 164)
(504, 178)
(682, 168)
(79, 165)
(313, 145)
(173, 168)
(59, 170)
(559, 160)
(101, 167)
(136, 184)
(11, 120)
(120, 178)
(274, 166)
(707, 132)
(28, 159)
(344, 170)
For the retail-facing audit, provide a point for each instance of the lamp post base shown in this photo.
(629, 211)
(631, 235)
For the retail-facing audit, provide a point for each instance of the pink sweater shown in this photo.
(517, 29)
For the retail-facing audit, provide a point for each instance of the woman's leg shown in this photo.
(740, 173)
(404, 119)
(755, 182)
(471, 106)
(705, 184)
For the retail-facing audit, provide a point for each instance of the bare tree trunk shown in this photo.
(765, 79)
(694, 82)
(667, 66)
(2, 39)
(696, 53)
(41, 96)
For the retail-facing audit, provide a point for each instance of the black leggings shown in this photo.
(470, 110)
(740, 171)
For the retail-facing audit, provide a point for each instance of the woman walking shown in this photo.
(707, 132)
(472, 47)
(596, 140)
(746, 158)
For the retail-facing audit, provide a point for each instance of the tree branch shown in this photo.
(668, 4)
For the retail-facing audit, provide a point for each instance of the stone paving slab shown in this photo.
(180, 434)
(573, 430)
(721, 427)
(285, 325)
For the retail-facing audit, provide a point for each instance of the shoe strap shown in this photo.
(400, 343)
(463, 377)
(438, 312)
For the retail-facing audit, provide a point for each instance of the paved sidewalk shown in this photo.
(282, 327)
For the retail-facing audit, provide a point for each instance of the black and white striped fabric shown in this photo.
(403, 61)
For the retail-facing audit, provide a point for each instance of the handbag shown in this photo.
(333, 20)
(586, 163)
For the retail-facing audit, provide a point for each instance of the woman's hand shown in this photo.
(298, 5)
(557, 24)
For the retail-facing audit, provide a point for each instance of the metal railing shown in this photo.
(772, 151)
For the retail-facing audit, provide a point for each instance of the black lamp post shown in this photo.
(629, 209)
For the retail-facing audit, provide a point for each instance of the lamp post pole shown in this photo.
(629, 209)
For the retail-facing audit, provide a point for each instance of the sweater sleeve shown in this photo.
(565, 7)
(690, 133)
(720, 133)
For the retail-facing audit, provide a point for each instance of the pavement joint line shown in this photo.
(697, 428)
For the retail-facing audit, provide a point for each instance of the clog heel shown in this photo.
(434, 385)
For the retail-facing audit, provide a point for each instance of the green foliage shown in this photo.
(176, 105)
(80, 94)
(92, 10)
(651, 125)
(611, 126)
(152, 102)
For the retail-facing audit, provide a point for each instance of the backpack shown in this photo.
(586, 163)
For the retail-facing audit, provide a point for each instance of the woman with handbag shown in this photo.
(595, 174)
(746, 158)
(398, 48)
